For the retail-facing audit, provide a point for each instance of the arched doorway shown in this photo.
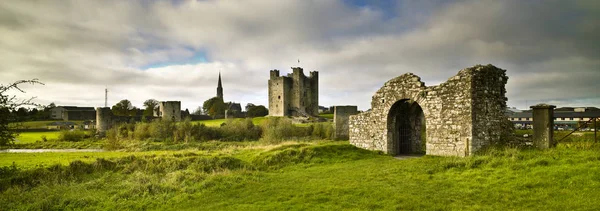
(406, 128)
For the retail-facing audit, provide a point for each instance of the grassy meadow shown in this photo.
(317, 175)
(279, 165)
(32, 137)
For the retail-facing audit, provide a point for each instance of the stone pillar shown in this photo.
(341, 116)
(543, 126)
(103, 120)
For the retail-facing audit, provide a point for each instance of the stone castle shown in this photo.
(294, 94)
(456, 118)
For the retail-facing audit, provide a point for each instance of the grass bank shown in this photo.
(311, 176)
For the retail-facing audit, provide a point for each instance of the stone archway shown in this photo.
(461, 116)
(405, 127)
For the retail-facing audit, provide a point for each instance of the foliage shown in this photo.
(256, 111)
(123, 108)
(198, 111)
(278, 129)
(150, 106)
(240, 130)
(8, 104)
(214, 107)
(72, 135)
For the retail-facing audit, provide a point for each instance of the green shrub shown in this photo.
(322, 130)
(240, 130)
(203, 133)
(277, 129)
(142, 131)
(162, 130)
(184, 131)
(112, 139)
(71, 135)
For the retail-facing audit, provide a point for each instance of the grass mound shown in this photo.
(309, 153)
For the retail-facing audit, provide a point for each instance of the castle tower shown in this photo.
(294, 94)
(220, 88)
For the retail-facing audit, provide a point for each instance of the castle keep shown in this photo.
(294, 94)
(456, 118)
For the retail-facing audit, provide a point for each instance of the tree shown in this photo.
(214, 107)
(249, 105)
(8, 105)
(256, 111)
(122, 108)
(198, 111)
(150, 106)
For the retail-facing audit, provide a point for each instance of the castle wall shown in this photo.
(170, 110)
(462, 115)
(279, 94)
(294, 94)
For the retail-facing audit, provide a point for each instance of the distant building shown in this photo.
(170, 110)
(566, 117)
(70, 113)
(232, 109)
(294, 94)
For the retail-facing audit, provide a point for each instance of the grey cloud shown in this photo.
(355, 49)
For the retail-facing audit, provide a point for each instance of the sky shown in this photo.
(174, 50)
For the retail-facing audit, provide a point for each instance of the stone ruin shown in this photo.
(170, 110)
(456, 118)
(294, 94)
(341, 116)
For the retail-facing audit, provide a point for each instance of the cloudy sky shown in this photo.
(173, 50)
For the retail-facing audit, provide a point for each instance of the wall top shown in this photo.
(542, 106)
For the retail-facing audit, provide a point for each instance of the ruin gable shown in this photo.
(456, 118)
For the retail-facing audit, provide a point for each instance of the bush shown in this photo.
(112, 139)
(71, 135)
(184, 131)
(203, 133)
(240, 130)
(277, 129)
(142, 131)
(162, 130)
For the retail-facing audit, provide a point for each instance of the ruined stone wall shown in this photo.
(489, 105)
(103, 120)
(294, 94)
(341, 116)
(450, 110)
(170, 110)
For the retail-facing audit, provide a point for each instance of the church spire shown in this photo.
(220, 87)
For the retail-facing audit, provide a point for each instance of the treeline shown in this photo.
(39, 113)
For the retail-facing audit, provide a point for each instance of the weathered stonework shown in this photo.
(104, 120)
(295, 94)
(543, 126)
(340, 120)
(460, 116)
(170, 110)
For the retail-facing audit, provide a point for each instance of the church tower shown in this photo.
(220, 88)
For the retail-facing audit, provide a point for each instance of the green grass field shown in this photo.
(304, 176)
(32, 137)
